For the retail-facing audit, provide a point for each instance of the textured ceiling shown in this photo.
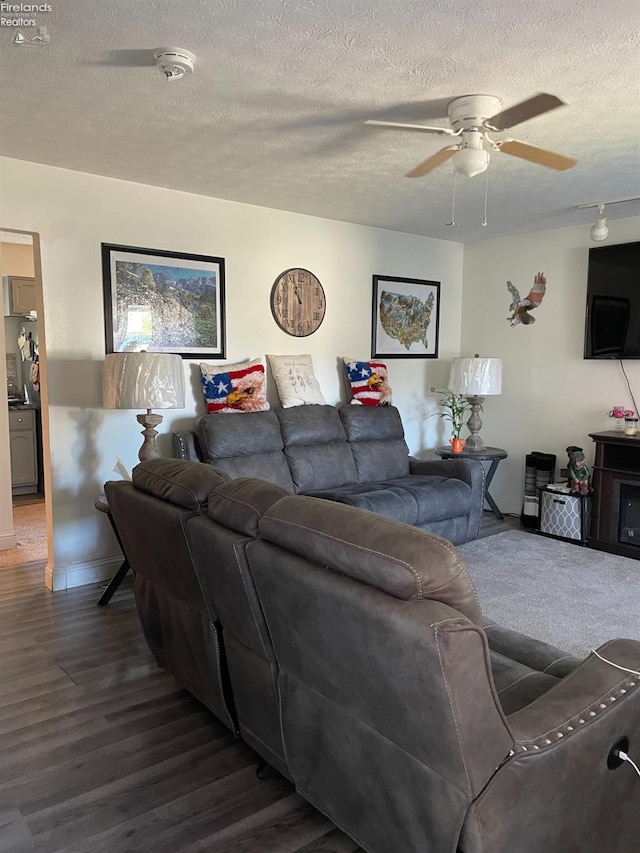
(274, 113)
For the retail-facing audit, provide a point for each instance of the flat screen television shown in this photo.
(612, 326)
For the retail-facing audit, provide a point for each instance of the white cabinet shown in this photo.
(18, 295)
(22, 444)
(23, 295)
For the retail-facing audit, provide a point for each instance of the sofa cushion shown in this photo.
(239, 504)
(516, 683)
(250, 446)
(533, 653)
(271, 467)
(186, 484)
(413, 499)
(524, 668)
(372, 423)
(376, 438)
(316, 449)
(303, 425)
(400, 560)
(455, 530)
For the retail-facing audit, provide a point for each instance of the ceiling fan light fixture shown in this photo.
(471, 161)
(599, 229)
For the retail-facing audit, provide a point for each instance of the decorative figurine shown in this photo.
(520, 307)
(579, 474)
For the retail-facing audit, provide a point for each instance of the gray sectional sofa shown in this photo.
(355, 455)
(349, 651)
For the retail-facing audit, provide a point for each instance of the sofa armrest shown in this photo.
(562, 787)
(470, 471)
(592, 691)
(185, 446)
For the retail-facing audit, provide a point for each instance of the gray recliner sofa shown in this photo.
(359, 666)
(355, 455)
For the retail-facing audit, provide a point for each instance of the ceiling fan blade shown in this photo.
(532, 107)
(550, 159)
(420, 127)
(433, 162)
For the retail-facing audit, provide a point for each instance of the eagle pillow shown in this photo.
(234, 387)
(368, 382)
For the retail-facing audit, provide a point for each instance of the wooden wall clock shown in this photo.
(298, 302)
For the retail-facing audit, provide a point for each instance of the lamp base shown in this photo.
(474, 425)
(475, 444)
(149, 449)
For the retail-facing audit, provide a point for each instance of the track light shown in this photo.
(599, 230)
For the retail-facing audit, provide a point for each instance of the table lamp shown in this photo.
(144, 380)
(475, 378)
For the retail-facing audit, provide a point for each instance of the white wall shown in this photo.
(551, 396)
(74, 213)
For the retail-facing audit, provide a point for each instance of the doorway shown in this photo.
(24, 504)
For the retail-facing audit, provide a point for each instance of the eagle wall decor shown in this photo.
(520, 307)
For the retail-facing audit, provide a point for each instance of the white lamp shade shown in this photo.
(143, 380)
(476, 377)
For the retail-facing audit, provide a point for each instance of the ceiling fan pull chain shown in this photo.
(453, 202)
(486, 193)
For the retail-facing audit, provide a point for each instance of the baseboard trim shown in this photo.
(509, 508)
(8, 540)
(80, 574)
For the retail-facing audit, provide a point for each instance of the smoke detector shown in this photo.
(174, 62)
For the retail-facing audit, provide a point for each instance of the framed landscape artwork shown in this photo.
(406, 317)
(163, 302)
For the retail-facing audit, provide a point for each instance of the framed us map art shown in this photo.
(406, 317)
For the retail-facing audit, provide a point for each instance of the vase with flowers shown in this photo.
(454, 408)
(619, 413)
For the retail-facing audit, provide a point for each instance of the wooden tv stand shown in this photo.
(616, 475)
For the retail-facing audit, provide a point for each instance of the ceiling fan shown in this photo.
(472, 119)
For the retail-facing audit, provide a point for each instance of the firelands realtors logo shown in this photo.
(22, 17)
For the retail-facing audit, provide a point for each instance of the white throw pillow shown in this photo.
(295, 380)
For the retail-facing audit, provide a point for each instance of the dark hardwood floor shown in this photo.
(101, 751)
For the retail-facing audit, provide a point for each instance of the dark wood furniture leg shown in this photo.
(487, 496)
(102, 505)
(114, 583)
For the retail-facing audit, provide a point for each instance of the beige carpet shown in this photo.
(571, 597)
(31, 534)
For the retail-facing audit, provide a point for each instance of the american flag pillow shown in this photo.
(234, 387)
(368, 382)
